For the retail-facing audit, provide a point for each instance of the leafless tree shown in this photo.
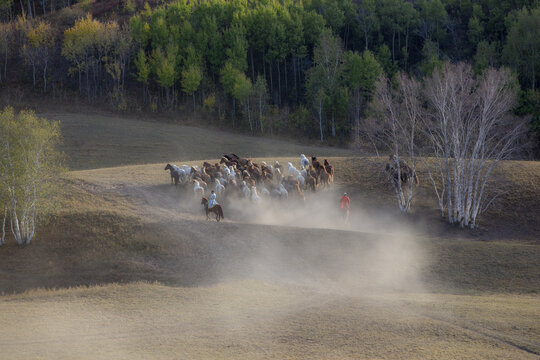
(469, 126)
(395, 127)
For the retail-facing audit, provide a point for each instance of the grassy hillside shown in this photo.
(513, 215)
(97, 141)
(129, 223)
(128, 267)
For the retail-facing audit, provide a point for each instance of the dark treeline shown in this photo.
(303, 68)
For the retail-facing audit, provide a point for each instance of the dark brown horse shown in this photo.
(216, 209)
(316, 164)
(174, 174)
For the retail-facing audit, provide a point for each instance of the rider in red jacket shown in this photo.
(345, 204)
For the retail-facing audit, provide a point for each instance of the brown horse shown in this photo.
(329, 169)
(316, 164)
(216, 209)
(227, 162)
(324, 177)
(405, 172)
(311, 183)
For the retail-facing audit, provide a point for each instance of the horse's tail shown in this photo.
(220, 211)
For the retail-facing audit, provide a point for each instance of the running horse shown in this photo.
(175, 175)
(216, 209)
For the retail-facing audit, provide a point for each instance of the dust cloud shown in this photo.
(290, 241)
(271, 266)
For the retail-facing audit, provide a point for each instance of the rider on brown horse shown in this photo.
(211, 206)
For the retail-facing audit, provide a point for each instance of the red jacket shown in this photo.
(345, 201)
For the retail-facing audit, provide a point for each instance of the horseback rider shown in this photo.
(345, 204)
(212, 200)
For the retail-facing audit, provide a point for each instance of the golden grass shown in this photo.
(255, 320)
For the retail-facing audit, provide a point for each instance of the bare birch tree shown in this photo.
(395, 127)
(471, 130)
(29, 169)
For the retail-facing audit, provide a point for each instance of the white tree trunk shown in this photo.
(470, 132)
(15, 228)
(320, 119)
(260, 113)
(3, 238)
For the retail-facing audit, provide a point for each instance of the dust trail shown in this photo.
(302, 243)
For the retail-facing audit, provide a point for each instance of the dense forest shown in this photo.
(305, 68)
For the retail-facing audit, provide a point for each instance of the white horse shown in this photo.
(264, 192)
(292, 170)
(284, 193)
(278, 176)
(245, 189)
(197, 189)
(182, 175)
(220, 189)
(186, 169)
(222, 180)
(254, 196)
(233, 172)
(304, 162)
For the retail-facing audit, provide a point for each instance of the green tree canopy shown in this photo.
(30, 167)
(522, 48)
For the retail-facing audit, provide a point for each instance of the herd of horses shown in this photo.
(235, 176)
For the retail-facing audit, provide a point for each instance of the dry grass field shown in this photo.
(128, 267)
(98, 141)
